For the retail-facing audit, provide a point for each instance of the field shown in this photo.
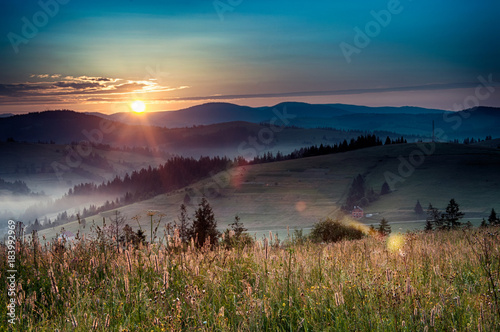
(442, 281)
(298, 193)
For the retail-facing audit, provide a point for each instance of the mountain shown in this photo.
(407, 120)
(476, 122)
(387, 110)
(230, 138)
(212, 113)
(6, 115)
(283, 127)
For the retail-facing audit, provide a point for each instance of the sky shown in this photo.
(103, 55)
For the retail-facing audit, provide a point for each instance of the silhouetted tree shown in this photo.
(428, 225)
(356, 193)
(183, 226)
(452, 215)
(236, 236)
(204, 224)
(385, 188)
(116, 226)
(384, 228)
(434, 217)
(237, 226)
(493, 218)
(418, 208)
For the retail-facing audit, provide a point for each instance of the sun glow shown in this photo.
(138, 106)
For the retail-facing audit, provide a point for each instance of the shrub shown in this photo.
(329, 230)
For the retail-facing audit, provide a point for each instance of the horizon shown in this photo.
(229, 103)
(59, 54)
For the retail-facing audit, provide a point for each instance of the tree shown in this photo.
(384, 228)
(236, 236)
(187, 199)
(183, 225)
(452, 215)
(434, 217)
(37, 226)
(385, 189)
(428, 225)
(204, 225)
(116, 227)
(237, 227)
(418, 208)
(356, 193)
(493, 219)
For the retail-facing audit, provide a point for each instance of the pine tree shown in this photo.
(183, 225)
(384, 228)
(418, 208)
(385, 189)
(237, 227)
(116, 227)
(493, 219)
(428, 225)
(453, 215)
(204, 224)
(434, 217)
(356, 193)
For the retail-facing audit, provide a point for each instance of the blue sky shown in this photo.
(101, 55)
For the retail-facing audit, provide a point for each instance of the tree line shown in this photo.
(361, 142)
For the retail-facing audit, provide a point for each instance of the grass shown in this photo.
(414, 282)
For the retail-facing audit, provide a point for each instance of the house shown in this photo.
(357, 212)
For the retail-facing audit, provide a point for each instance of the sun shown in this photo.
(138, 106)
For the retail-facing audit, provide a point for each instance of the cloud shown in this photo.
(77, 86)
(437, 86)
(73, 89)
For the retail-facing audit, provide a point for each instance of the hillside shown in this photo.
(297, 193)
(477, 122)
(229, 139)
(212, 113)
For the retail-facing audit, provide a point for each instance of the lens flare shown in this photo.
(395, 242)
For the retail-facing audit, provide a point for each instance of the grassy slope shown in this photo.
(297, 193)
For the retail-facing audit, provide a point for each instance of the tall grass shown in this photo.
(414, 282)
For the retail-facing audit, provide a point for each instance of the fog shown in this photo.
(27, 208)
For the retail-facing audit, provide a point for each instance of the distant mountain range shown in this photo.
(220, 126)
(213, 113)
(229, 138)
(477, 122)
